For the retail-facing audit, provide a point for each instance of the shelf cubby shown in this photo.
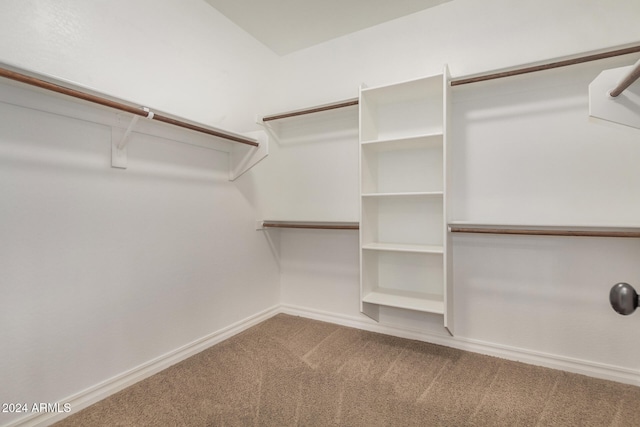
(402, 110)
(405, 165)
(407, 219)
(404, 280)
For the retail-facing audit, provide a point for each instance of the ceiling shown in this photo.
(286, 26)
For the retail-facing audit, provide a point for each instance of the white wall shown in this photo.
(180, 57)
(524, 151)
(105, 270)
(311, 173)
(469, 35)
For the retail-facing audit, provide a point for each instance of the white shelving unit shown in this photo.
(405, 248)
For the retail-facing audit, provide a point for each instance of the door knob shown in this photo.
(623, 298)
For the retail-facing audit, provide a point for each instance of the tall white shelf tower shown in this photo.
(405, 250)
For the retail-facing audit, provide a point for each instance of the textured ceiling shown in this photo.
(289, 25)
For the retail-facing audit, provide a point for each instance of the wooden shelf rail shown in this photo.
(546, 66)
(33, 81)
(312, 225)
(311, 110)
(550, 231)
(627, 81)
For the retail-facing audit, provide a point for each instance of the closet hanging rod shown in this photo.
(466, 80)
(545, 232)
(312, 225)
(547, 66)
(33, 81)
(310, 110)
(627, 81)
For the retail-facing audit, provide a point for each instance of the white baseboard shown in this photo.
(578, 366)
(106, 388)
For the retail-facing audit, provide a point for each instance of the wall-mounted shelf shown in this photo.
(404, 258)
(427, 303)
(396, 247)
(406, 194)
(43, 93)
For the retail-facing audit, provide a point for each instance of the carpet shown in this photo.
(292, 371)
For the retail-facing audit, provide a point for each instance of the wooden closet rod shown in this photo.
(22, 78)
(327, 107)
(540, 232)
(633, 75)
(547, 66)
(312, 225)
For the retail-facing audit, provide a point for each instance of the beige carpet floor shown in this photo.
(291, 371)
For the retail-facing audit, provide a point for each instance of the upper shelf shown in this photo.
(110, 102)
(404, 92)
(42, 93)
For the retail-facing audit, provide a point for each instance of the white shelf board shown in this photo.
(416, 301)
(404, 143)
(394, 247)
(406, 194)
(416, 89)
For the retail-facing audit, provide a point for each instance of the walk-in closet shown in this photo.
(218, 212)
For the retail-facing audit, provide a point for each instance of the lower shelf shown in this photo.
(428, 303)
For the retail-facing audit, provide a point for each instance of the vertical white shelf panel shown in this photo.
(403, 183)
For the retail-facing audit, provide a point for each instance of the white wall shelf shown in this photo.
(418, 141)
(406, 194)
(48, 94)
(403, 180)
(427, 303)
(427, 249)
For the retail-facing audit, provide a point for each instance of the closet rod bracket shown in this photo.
(623, 110)
(119, 141)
